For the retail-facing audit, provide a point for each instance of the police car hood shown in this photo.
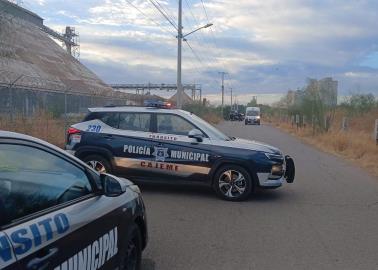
(252, 145)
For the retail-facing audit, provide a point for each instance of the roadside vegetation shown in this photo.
(42, 125)
(345, 130)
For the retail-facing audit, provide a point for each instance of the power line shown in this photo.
(208, 57)
(198, 59)
(168, 12)
(164, 15)
(211, 30)
(150, 19)
(194, 53)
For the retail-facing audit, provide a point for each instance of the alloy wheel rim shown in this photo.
(97, 165)
(232, 183)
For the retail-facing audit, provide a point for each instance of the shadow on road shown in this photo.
(261, 195)
(172, 189)
(148, 264)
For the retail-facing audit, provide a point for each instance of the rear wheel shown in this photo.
(233, 183)
(98, 163)
(133, 254)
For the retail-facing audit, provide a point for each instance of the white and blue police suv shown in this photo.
(155, 143)
(58, 213)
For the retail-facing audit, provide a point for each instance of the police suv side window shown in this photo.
(109, 118)
(173, 124)
(32, 180)
(135, 121)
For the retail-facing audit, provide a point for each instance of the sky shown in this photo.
(266, 47)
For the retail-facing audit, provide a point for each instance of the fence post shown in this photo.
(376, 131)
(344, 124)
(11, 96)
(297, 120)
(10, 103)
(304, 120)
(65, 109)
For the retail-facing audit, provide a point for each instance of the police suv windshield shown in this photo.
(211, 131)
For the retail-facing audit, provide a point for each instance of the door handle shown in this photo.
(41, 263)
(160, 144)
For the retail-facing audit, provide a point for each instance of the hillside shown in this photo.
(26, 50)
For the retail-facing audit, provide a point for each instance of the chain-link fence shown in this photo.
(45, 108)
(22, 94)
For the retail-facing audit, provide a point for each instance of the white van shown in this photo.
(252, 116)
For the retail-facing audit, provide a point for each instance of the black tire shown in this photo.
(229, 191)
(91, 159)
(132, 255)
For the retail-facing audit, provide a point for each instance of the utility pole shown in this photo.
(180, 38)
(222, 74)
(231, 98)
(179, 47)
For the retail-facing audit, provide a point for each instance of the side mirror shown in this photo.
(196, 134)
(112, 186)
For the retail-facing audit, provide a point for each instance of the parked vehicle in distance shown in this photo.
(236, 116)
(157, 144)
(252, 116)
(58, 213)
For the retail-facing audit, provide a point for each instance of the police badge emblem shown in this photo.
(160, 153)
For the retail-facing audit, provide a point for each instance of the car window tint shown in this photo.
(135, 121)
(173, 124)
(111, 119)
(32, 180)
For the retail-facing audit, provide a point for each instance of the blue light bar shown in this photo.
(157, 104)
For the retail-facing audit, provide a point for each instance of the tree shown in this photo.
(359, 103)
(252, 103)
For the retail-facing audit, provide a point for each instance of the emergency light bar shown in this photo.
(157, 104)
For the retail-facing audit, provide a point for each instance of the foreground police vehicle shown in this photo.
(58, 213)
(159, 144)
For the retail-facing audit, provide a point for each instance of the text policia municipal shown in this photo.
(173, 154)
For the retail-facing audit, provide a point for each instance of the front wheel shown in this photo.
(233, 183)
(133, 254)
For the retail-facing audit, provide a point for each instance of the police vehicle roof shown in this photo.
(135, 109)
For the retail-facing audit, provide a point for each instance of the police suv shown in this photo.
(58, 213)
(155, 143)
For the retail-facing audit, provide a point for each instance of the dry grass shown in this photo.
(355, 144)
(42, 125)
(212, 118)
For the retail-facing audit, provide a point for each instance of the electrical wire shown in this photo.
(149, 18)
(168, 12)
(162, 13)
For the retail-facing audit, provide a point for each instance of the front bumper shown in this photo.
(266, 180)
(251, 121)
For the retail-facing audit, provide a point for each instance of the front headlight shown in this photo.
(277, 170)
